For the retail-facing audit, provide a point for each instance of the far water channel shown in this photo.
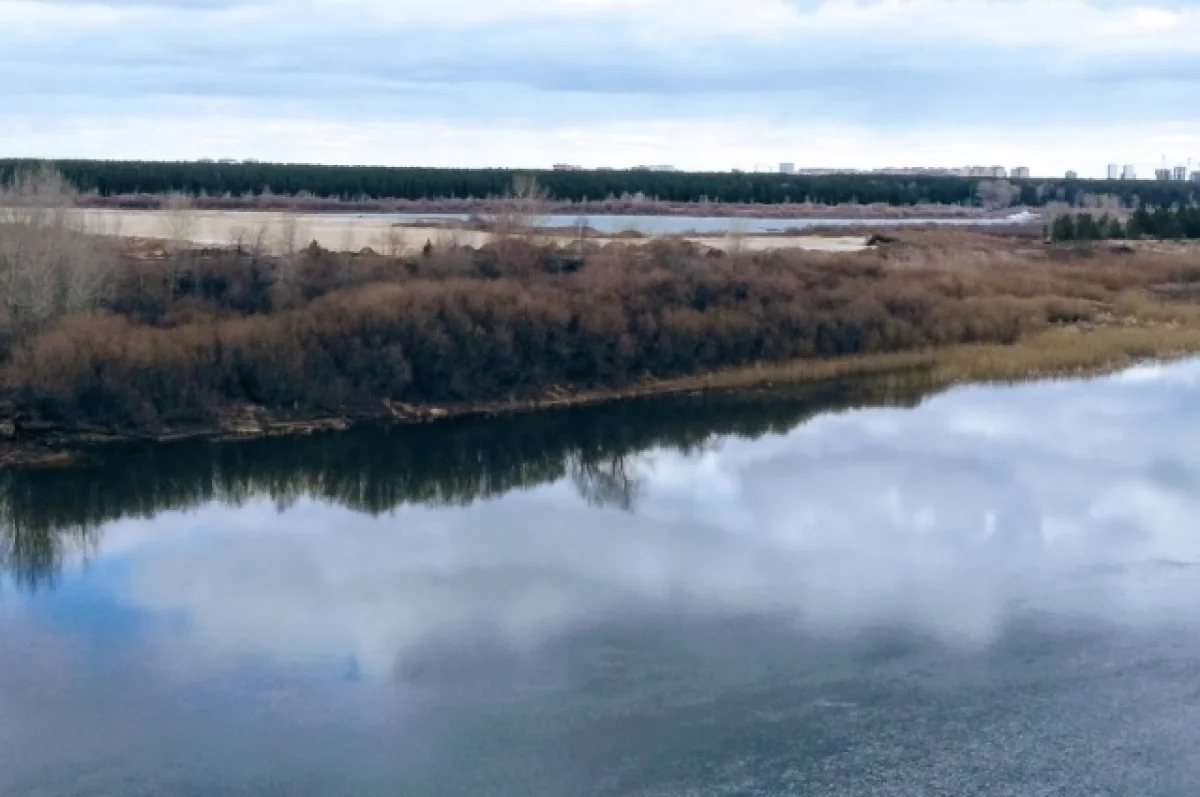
(857, 589)
(706, 225)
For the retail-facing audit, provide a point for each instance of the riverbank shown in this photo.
(1074, 351)
(241, 341)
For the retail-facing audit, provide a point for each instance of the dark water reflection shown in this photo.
(993, 592)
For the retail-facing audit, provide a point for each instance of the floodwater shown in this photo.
(398, 233)
(844, 590)
(716, 225)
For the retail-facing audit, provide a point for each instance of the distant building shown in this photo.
(663, 167)
(787, 168)
(1128, 173)
(987, 171)
(227, 161)
(1162, 174)
(567, 167)
(919, 170)
(1179, 174)
(824, 171)
(1021, 173)
(1196, 177)
(1114, 171)
(1072, 175)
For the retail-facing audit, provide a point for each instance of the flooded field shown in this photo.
(396, 233)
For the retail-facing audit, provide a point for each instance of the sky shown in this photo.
(703, 84)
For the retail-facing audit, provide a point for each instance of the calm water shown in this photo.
(703, 225)
(991, 592)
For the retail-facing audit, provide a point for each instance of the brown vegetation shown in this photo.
(173, 337)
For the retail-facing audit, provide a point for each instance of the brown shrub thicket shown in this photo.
(325, 332)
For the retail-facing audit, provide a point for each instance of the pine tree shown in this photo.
(1063, 228)
(1086, 228)
(1140, 223)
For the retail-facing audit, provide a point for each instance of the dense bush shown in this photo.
(508, 321)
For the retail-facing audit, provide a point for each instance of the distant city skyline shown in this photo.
(1189, 170)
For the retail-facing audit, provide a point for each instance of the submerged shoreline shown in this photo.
(1066, 352)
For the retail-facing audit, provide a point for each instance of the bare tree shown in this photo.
(735, 235)
(294, 236)
(49, 267)
(522, 208)
(997, 194)
(581, 230)
(605, 482)
(181, 221)
(391, 242)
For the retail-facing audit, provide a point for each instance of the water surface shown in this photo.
(991, 591)
(707, 225)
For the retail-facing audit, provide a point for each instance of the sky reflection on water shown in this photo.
(989, 536)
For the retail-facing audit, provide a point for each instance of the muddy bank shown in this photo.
(1072, 351)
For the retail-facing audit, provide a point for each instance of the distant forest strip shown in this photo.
(122, 178)
(1162, 223)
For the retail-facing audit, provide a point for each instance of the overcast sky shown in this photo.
(1052, 84)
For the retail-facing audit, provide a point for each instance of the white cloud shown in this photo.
(930, 519)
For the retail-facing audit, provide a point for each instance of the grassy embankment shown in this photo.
(159, 339)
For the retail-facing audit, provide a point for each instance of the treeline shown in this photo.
(1163, 222)
(123, 178)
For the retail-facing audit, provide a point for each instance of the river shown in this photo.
(716, 225)
(850, 589)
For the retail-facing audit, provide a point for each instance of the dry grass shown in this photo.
(1071, 351)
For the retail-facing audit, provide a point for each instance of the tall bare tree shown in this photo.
(521, 210)
(49, 266)
(997, 194)
(181, 221)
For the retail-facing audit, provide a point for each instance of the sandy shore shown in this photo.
(278, 232)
